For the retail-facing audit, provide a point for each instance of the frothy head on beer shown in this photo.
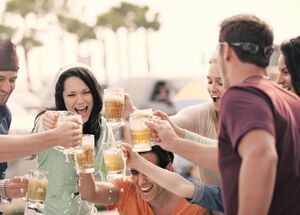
(114, 100)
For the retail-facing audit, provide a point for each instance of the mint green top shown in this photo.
(200, 139)
(62, 183)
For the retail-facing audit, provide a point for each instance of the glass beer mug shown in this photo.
(37, 189)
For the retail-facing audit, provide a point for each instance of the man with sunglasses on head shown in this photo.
(138, 194)
(259, 137)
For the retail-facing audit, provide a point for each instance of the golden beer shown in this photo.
(139, 132)
(113, 160)
(114, 101)
(114, 109)
(85, 160)
(37, 189)
(140, 137)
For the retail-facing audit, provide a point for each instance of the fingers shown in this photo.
(161, 114)
(152, 124)
(126, 147)
(16, 187)
(76, 118)
(49, 119)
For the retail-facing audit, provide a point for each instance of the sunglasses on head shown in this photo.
(252, 48)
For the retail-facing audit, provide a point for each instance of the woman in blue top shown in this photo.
(76, 90)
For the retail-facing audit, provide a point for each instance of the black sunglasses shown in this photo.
(253, 48)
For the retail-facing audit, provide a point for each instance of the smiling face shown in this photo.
(148, 189)
(7, 85)
(284, 78)
(78, 98)
(215, 85)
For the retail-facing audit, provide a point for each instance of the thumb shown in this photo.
(55, 115)
(152, 124)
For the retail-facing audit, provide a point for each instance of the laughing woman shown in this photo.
(289, 65)
(76, 90)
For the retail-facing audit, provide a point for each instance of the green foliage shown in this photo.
(25, 7)
(80, 29)
(130, 16)
(6, 32)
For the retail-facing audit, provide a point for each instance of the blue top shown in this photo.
(5, 120)
(207, 196)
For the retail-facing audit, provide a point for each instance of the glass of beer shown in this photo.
(63, 117)
(139, 132)
(114, 101)
(85, 160)
(37, 188)
(113, 160)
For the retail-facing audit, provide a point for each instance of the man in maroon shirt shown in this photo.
(259, 137)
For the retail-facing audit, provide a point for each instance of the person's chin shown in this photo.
(216, 106)
(3, 101)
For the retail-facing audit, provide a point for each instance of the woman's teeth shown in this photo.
(81, 110)
(215, 98)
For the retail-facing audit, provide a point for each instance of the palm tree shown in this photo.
(6, 32)
(29, 34)
(128, 12)
(142, 21)
(82, 30)
(113, 21)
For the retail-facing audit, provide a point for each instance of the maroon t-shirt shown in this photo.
(260, 104)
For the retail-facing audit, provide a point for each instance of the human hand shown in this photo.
(49, 119)
(132, 158)
(164, 131)
(179, 131)
(68, 134)
(129, 106)
(16, 187)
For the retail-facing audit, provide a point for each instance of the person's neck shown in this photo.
(244, 71)
(165, 203)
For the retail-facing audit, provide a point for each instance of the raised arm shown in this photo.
(104, 193)
(16, 146)
(171, 181)
(200, 154)
(207, 196)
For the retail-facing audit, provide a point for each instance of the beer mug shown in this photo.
(139, 132)
(85, 160)
(37, 189)
(114, 105)
(63, 117)
(113, 160)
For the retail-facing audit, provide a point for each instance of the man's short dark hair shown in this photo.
(163, 157)
(249, 29)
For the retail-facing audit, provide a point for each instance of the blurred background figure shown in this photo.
(161, 93)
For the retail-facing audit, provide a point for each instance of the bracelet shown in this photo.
(3, 195)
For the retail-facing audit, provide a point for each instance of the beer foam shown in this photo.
(145, 113)
(114, 98)
(137, 125)
(112, 151)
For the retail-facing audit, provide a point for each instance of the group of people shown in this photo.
(245, 141)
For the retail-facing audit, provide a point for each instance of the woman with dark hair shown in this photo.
(289, 65)
(76, 90)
